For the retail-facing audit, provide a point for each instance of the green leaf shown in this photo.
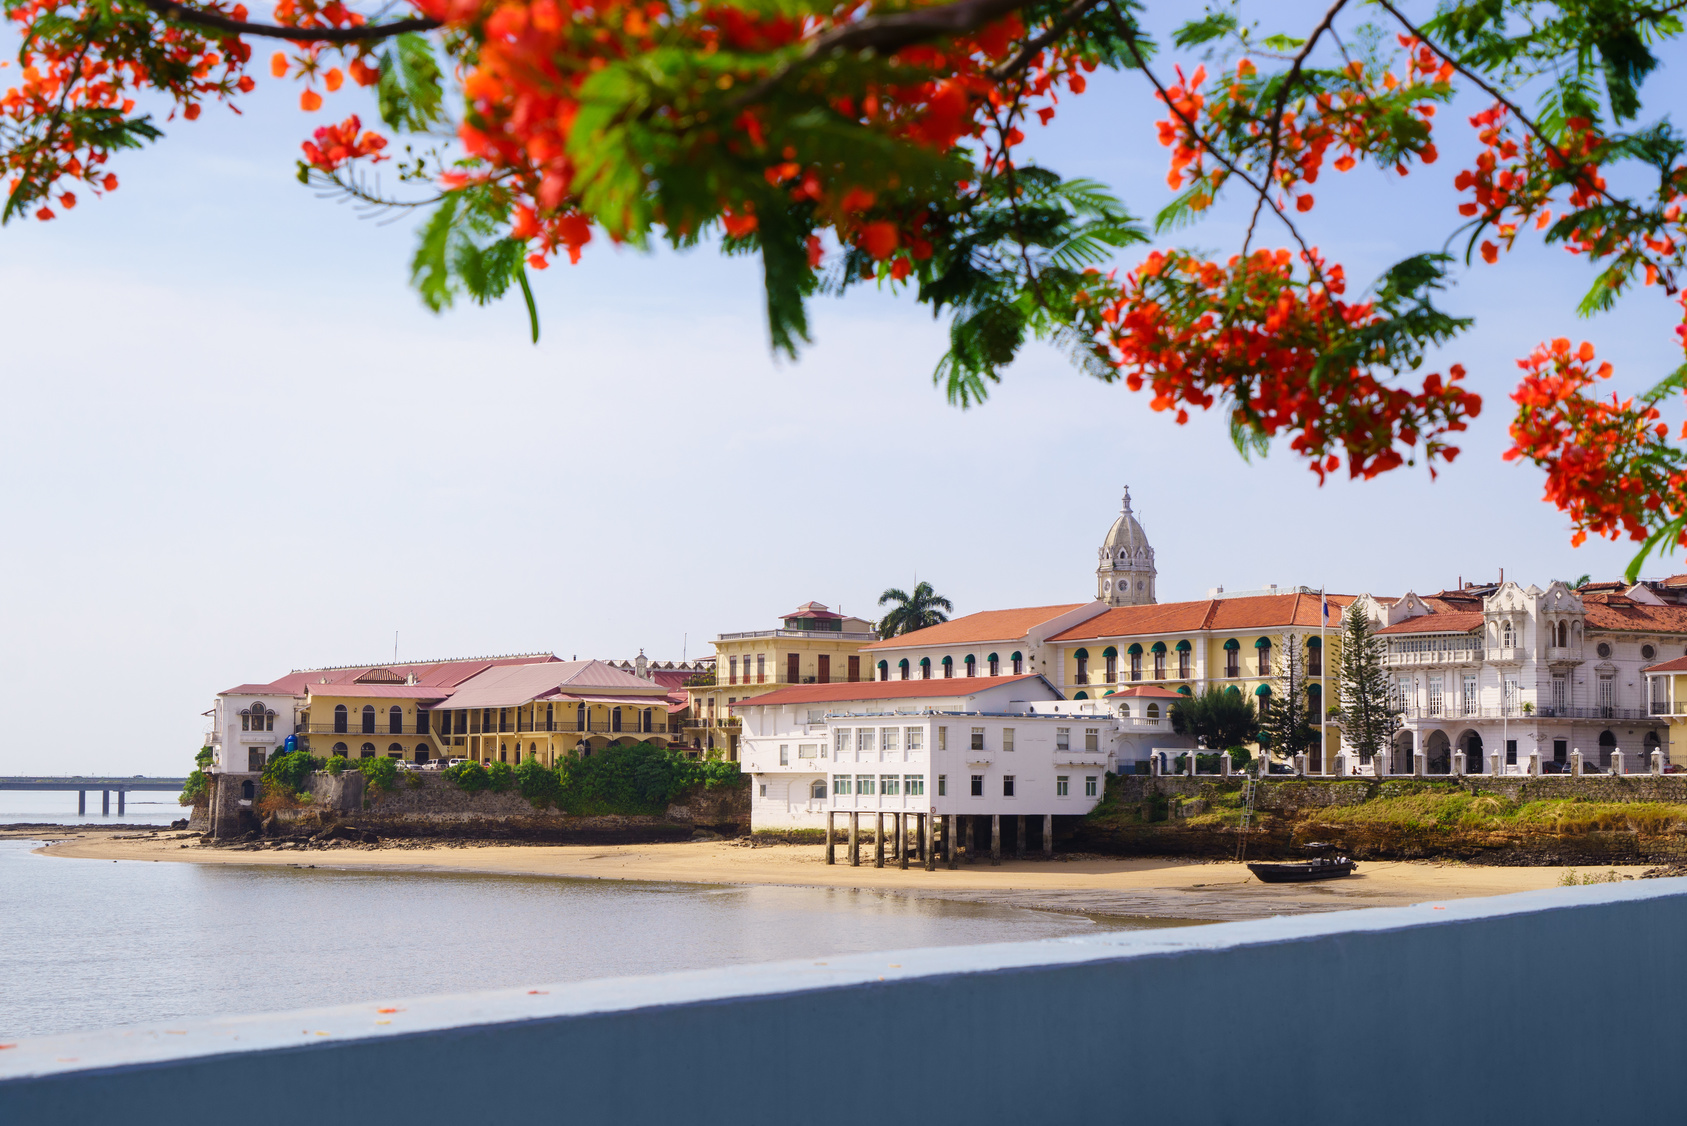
(410, 92)
(1213, 25)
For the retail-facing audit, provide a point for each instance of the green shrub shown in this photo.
(197, 786)
(380, 773)
(291, 771)
(202, 760)
(642, 778)
(498, 777)
(469, 777)
(537, 783)
(336, 765)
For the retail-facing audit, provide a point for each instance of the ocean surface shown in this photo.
(52, 807)
(97, 943)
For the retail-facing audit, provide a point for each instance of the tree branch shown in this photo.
(1062, 24)
(1128, 31)
(198, 17)
(885, 35)
(1277, 113)
(1528, 123)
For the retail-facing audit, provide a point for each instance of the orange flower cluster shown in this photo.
(333, 145)
(1609, 465)
(1513, 183)
(524, 93)
(1250, 332)
(1352, 114)
(73, 74)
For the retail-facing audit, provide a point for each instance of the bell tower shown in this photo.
(1126, 574)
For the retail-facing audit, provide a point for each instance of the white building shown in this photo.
(1512, 671)
(1005, 746)
(248, 723)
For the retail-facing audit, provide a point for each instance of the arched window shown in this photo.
(1136, 661)
(339, 719)
(1159, 651)
(884, 670)
(1262, 700)
(396, 750)
(1018, 660)
(1232, 658)
(902, 668)
(1563, 635)
(1080, 695)
(972, 665)
(368, 719)
(817, 788)
(247, 790)
(925, 668)
(1183, 660)
(1508, 640)
(366, 751)
(948, 667)
(339, 749)
(1082, 656)
(995, 664)
(1314, 657)
(1125, 710)
(421, 752)
(395, 720)
(1110, 665)
(1262, 648)
(1153, 711)
(1315, 702)
(246, 720)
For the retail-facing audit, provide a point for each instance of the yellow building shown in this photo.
(1232, 641)
(813, 645)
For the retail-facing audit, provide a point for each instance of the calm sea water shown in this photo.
(50, 807)
(96, 943)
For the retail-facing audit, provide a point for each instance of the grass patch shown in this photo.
(1414, 809)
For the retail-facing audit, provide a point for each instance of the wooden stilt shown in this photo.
(995, 838)
(879, 841)
(966, 838)
(1048, 834)
(949, 841)
(928, 853)
(854, 840)
(902, 841)
(831, 837)
(1019, 839)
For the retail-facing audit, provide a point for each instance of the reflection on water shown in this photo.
(92, 943)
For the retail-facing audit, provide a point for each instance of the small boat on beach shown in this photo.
(1324, 868)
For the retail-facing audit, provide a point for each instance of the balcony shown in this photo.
(1457, 658)
(1512, 656)
(1564, 654)
(1143, 722)
(359, 729)
(802, 634)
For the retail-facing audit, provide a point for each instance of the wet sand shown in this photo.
(1089, 885)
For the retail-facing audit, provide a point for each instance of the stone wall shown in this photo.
(425, 804)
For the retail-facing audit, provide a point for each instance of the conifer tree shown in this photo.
(1368, 714)
(1288, 723)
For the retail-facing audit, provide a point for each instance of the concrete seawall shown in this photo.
(1458, 1012)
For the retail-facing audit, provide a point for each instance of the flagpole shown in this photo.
(1323, 685)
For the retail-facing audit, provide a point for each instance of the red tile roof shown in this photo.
(1616, 612)
(1452, 621)
(952, 687)
(380, 691)
(1153, 691)
(1263, 611)
(1677, 665)
(441, 674)
(986, 625)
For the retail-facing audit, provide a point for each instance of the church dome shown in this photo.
(1126, 574)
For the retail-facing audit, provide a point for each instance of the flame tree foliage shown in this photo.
(877, 141)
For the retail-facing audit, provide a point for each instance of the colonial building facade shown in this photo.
(1500, 674)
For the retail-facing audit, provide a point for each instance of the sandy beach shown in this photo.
(1169, 889)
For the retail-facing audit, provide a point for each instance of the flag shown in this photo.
(1326, 611)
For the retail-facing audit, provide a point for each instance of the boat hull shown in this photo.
(1302, 873)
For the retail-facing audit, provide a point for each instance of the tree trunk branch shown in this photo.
(198, 17)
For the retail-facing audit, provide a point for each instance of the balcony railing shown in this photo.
(1564, 653)
(1436, 657)
(627, 724)
(1515, 711)
(810, 634)
(359, 729)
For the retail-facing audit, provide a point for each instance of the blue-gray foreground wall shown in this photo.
(1557, 1006)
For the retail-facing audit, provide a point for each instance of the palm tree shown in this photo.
(925, 607)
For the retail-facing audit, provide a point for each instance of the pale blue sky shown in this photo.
(238, 444)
